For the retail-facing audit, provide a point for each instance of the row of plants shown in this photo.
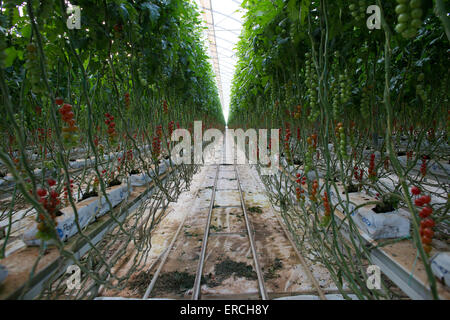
(86, 108)
(367, 108)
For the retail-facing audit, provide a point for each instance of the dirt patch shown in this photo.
(228, 268)
(255, 209)
(216, 228)
(168, 283)
(271, 272)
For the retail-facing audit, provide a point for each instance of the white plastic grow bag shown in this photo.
(87, 210)
(440, 265)
(393, 224)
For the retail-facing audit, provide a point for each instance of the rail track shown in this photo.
(207, 248)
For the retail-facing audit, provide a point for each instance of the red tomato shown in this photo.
(428, 232)
(416, 191)
(41, 192)
(425, 212)
(426, 240)
(426, 199)
(427, 223)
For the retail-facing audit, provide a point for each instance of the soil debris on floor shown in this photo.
(228, 268)
(255, 209)
(168, 283)
(271, 272)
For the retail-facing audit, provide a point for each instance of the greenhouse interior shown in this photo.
(224, 150)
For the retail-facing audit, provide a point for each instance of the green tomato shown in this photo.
(421, 77)
(404, 17)
(415, 3)
(416, 13)
(416, 23)
(352, 7)
(401, 8)
(400, 27)
(402, 1)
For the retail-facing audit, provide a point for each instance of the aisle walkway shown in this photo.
(229, 270)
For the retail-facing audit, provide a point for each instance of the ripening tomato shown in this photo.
(425, 212)
(427, 248)
(428, 232)
(426, 199)
(426, 240)
(427, 223)
(415, 191)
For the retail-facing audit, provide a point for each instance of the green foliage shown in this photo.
(271, 77)
(152, 49)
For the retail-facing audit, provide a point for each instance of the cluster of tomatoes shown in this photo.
(342, 141)
(313, 193)
(299, 191)
(427, 223)
(312, 145)
(409, 17)
(409, 156)
(358, 173)
(358, 10)
(49, 199)
(70, 138)
(111, 127)
(326, 204)
(171, 128)
(165, 107)
(423, 166)
(372, 171)
(68, 189)
(287, 148)
(127, 100)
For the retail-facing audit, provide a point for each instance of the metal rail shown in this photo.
(198, 276)
(261, 284)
